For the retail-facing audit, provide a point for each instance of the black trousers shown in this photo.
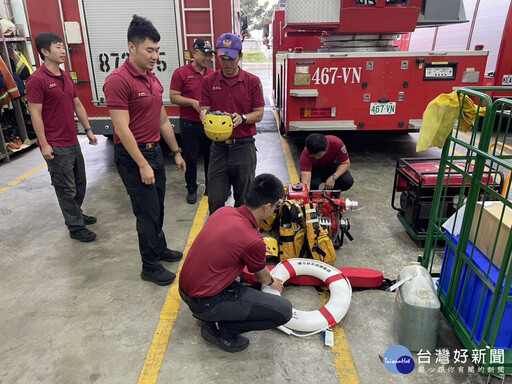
(147, 202)
(230, 165)
(195, 144)
(320, 174)
(67, 172)
(240, 309)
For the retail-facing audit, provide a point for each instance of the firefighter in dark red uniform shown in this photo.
(325, 160)
(186, 92)
(240, 94)
(217, 257)
(134, 100)
(53, 102)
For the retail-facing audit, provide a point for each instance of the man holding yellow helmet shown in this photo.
(239, 94)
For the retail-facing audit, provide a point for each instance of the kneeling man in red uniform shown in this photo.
(228, 242)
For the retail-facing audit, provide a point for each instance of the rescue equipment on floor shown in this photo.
(329, 205)
(315, 236)
(272, 246)
(329, 315)
(218, 126)
(360, 278)
(291, 231)
(319, 245)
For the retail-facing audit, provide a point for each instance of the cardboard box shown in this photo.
(488, 231)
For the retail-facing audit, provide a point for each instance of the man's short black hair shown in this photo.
(141, 29)
(264, 189)
(316, 143)
(45, 40)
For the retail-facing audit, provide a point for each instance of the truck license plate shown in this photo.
(382, 108)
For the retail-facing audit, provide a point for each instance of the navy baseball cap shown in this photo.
(204, 46)
(229, 45)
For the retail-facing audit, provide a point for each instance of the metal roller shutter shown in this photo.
(105, 27)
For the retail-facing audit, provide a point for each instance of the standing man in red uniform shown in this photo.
(186, 92)
(208, 278)
(325, 159)
(236, 92)
(53, 102)
(134, 100)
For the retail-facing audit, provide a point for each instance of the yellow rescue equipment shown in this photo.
(218, 126)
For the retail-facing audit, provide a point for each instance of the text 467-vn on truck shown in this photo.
(337, 66)
(95, 34)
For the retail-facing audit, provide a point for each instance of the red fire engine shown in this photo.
(337, 66)
(95, 34)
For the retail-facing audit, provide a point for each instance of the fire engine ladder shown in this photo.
(185, 11)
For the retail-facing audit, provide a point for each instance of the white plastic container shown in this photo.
(417, 309)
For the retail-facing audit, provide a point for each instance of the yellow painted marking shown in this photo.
(341, 354)
(463, 134)
(21, 178)
(292, 171)
(29, 173)
(169, 313)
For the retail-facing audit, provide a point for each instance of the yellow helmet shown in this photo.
(272, 245)
(218, 126)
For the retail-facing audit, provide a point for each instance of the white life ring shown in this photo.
(329, 315)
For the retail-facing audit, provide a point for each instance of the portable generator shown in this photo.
(415, 182)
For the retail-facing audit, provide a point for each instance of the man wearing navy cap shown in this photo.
(186, 92)
(239, 93)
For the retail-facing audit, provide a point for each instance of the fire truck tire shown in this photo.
(330, 314)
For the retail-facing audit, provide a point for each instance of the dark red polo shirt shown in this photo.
(228, 242)
(240, 95)
(141, 96)
(188, 81)
(336, 152)
(56, 94)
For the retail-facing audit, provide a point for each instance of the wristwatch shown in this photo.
(244, 118)
(174, 153)
(88, 129)
(334, 177)
(271, 281)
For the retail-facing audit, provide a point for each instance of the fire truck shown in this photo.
(95, 35)
(337, 66)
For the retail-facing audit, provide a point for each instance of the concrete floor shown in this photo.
(79, 313)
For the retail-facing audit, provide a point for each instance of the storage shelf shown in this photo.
(14, 39)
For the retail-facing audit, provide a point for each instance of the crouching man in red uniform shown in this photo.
(228, 242)
(325, 160)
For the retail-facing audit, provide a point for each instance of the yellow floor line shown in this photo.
(169, 313)
(465, 135)
(292, 171)
(21, 178)
(341, 354)
(29, 173)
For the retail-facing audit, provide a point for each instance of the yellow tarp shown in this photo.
(440, 116)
